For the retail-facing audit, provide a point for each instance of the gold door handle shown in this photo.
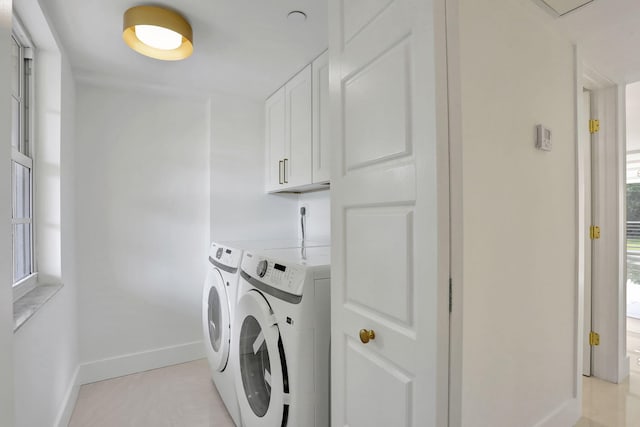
(366, 335)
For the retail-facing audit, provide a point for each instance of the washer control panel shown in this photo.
(284, 276)
(229, 257)
(261, 270)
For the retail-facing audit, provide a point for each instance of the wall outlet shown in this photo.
(543, 138)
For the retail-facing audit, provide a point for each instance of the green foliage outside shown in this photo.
(633, 244)
(633, 268)
(633, 202)
(633, 273)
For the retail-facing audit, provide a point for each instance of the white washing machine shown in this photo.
(282, 338)
(218, 311)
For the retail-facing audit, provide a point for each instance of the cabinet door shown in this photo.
(321, 143)
(275, 139)
(297, 160)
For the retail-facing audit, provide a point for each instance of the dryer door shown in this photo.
(263, 385)
(216, 320)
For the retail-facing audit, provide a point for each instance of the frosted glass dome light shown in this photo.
(158, 37)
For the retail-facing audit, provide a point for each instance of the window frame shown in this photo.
(24, 155)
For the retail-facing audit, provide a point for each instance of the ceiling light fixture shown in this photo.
(158, 33)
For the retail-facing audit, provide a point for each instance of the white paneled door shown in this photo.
(390, 217)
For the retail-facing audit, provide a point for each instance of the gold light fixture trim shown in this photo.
(162, 18)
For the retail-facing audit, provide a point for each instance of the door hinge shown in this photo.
(594, 232)
(594, 125)
(594, 338)
(450, 294)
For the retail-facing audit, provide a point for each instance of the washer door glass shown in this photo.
(255, 366)
(215, 319)
(263, 382)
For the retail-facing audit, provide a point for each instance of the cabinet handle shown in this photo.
(286, 181)
(280, 172)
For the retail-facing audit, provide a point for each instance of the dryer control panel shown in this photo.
(279, 275)
(229, 257)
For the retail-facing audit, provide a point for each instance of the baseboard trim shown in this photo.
(70, 397)
(567, 414)
(127, 364)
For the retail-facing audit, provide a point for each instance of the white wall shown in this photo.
(519, 219)
(46, 347)
(632, 114)
(240, 208)
(632, 97)
(318, 213)
(68, 224)
(6, 299)
(46, 361)
(142, 227)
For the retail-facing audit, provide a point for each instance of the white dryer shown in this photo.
(218, 311)
(282, 337)
(218, 305)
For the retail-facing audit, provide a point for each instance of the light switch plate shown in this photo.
(543, 138)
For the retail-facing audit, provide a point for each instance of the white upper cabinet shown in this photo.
(297, 158)
(320, 155)
(296, 131)
(275, 139)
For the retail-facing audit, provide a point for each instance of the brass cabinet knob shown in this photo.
(366, 335)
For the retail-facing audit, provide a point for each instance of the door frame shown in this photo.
(456, 228)
(585, 199)
(609, 359)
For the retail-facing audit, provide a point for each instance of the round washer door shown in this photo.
(216, 322)
(262, 383)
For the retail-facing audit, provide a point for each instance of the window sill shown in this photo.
(24, 286)
(27, 305)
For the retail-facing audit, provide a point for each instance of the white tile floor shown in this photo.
(615, 405)
(177, 396)
(184, 396)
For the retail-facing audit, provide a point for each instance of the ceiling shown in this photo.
(243, 47)
(608, 33)
(249, 48)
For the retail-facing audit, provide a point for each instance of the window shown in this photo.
(21, 160)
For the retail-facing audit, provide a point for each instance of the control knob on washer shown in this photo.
(262, 268)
